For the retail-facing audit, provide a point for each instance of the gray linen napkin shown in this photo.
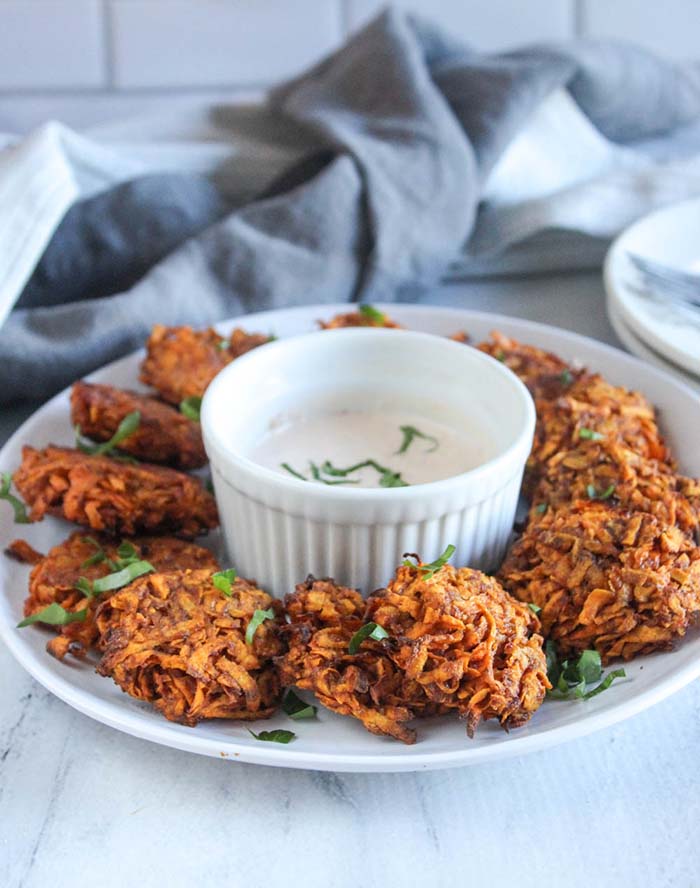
(407, 123)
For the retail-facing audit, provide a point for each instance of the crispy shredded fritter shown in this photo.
(20, 550)
(176, 641)
(594, 468)
(545, 374)
(164, 435)
(323, 618)
(457, 642)
(54, 578)
(181, 362)
(109, 495)
(358, 319)
(463, 643)
(619, 581)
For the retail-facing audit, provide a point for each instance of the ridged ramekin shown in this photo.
(278, 529)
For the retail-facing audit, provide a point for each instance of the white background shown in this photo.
(87, 61)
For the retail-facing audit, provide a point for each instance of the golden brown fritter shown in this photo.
(463, 643)
(461, 336)
(619, 581)
(176, 641)
(164, 435)
(607, 469)
(20, 550)
(457, 643)
(545, 374)
(54, 578)
(360, 318)
(323, 618)
(593, 405)
(181, 362)
(113, 496)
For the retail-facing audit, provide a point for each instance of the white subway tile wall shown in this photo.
(88, 61)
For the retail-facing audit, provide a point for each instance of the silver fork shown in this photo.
(681, 287)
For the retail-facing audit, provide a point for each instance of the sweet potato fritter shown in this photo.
(457, 642)
(545, 374)
(367, 685)
(463, 644)
(181, 362)
(54, 579)
(608, 469)
(164, 435)
(619, 581)
(372, 318)
(113, 496)
(176, 641)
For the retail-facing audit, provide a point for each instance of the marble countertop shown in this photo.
(84, 805)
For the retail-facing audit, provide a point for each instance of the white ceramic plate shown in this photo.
(332, 742)
(670, 236)
(635, 345)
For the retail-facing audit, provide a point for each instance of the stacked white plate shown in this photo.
(654, 328)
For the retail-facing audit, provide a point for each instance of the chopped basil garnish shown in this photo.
(572, 678)
(590, 435)
(54, 615)
(316, 475)
(258, 618)
(387, 477)
(409, 433)
(541, 508)
(535, 608)
(292, 471)
(85, 586)
(603, 495)
(191, 407)
(99, 555)
(566, 377)
(369, 630)
(125, 429)
(222, 345)
(297, 708)
(127, 574)
(18, 506)
(277, 736)
(500, 355)
(223, 580)
(373, 314)
(430, 569)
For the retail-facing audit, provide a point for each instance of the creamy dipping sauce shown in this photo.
(318, 445)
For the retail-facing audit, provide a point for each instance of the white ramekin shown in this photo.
(278, 529)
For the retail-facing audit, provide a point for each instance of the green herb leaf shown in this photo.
(122, 577)
(590, 435)
(223, 580)
(605, 683)
(99, 555)
(566, 377)
(605, 494)
(18, 506)
(54, 615)
(535, 608)
(434, 566)
(292, 471)
(373, 314)
(369, 630)
(388, 477)
(126, 427)
(500, 355)
(222, 345)
(316, 475)
(258, 618)
(392, 479)
(85, 586)
(552, 657)
(191, 407)
(589, 667)
(127, 552)
(410, 433)
(296, 708)
(541, 508)
(277, 736)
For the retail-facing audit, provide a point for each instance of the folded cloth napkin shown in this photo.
(421, 157)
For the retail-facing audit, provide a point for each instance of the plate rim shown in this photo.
(403, 759)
